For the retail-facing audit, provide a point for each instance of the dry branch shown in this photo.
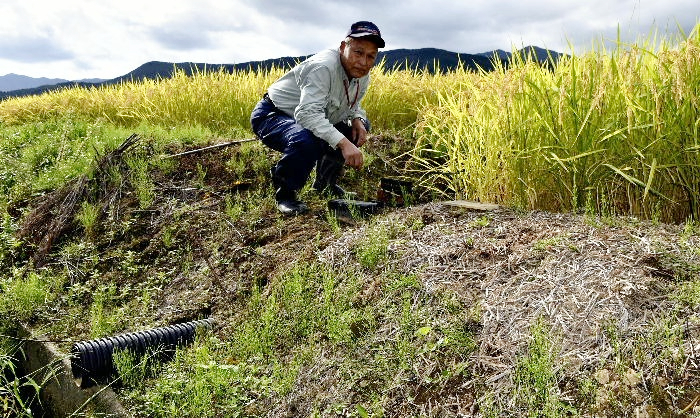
(212, 147)
(55, 212)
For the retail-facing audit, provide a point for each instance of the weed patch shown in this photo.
(535, 377)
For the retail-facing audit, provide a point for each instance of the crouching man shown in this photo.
(312, 115)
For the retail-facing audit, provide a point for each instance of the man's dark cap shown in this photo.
(369, 30)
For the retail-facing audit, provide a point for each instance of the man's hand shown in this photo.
(352, 154)
(359, 133)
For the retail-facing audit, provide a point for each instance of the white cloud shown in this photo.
(80, 38)
(39, 49)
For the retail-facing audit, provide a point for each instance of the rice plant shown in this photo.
(605, 131)
(620, 125)
(218, 100)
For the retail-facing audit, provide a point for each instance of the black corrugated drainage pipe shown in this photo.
(92, 363)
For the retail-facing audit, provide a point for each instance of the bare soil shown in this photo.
(587, 277)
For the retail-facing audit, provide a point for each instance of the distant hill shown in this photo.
(427, 59)
(501, 54)
(158, 69)
(11, 82)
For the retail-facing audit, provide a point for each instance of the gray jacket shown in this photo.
(318, 94)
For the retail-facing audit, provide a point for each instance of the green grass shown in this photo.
(22, 297)
(689, 294)
(19, 395)
(536, 378)
(373, 251)
(105, 317)
(290, 328)
(201, 383)
(606, 133)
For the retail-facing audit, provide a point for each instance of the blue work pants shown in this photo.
(300, 148)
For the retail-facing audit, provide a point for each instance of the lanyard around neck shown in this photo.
(346, 84)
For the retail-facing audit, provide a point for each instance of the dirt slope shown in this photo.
(605, 286)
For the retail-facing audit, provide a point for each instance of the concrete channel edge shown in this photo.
(59, 395)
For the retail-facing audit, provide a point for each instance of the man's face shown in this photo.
(358, 57)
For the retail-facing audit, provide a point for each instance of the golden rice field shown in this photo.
(614, 132)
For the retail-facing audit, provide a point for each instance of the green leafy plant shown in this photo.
(22, 297)
(333, 221)
(234, 206)
(372, 250)
(535, 377)
(141, 181)
(481, 222)
(9, 243)
(545, 243)
(88, 217)
(689, 294)
(104, 319)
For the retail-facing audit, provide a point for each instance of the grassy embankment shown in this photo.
(615, 133)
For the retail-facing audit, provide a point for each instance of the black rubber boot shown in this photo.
(287, 202)
(328, 170)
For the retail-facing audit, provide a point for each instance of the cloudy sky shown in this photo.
(75, 39)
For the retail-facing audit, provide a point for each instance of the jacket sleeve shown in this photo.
(315, 86)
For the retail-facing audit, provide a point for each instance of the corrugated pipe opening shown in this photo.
(394, 192)
(92, 361)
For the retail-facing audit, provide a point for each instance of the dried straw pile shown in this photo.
(580, 278)
(54, 214)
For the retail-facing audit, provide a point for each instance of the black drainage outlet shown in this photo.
(92, 362)
(394, 192)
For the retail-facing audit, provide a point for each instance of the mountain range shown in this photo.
(12, 82)
(427, 59)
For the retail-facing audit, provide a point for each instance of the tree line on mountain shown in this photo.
(424, 59)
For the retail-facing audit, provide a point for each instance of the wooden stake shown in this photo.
(222, 145)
